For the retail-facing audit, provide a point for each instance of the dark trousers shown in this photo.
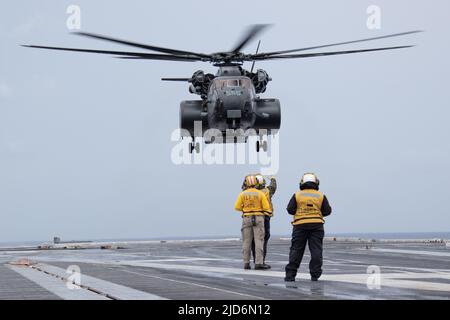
(311, 233)
(266, 238)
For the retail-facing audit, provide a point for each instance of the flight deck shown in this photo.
(213, 269)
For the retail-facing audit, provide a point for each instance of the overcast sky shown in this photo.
(85, 139)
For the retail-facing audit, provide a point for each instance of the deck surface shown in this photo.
(213, 270)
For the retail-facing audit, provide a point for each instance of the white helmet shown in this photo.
(309, 177)
(261, 180)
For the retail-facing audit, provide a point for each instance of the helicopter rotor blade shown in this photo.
(250, 33)
(141, 45)
(320, 54)
(124, 54)
(176, 79)
(162, 57)
(266, 54)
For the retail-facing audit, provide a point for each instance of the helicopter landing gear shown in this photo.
(261, 144)
(194, 146)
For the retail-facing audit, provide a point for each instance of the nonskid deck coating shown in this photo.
(213, 270)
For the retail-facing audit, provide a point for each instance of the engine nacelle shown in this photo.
(200, 82)
(260, 79)
(190, 112)
(268, 114)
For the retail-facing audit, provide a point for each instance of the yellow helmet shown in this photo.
(309, 177)
(250, 181)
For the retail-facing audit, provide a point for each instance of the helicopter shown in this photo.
(229, 100)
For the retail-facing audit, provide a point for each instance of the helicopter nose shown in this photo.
(232, 103)
(237, 109)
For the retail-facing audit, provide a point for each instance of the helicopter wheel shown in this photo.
(264, 146)
(197, 147)
(194, 146)
(261, 145)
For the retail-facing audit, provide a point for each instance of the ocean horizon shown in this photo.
(363, 235)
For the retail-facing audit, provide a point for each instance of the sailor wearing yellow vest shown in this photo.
(252, 203)
(268, 191)
(309, 206)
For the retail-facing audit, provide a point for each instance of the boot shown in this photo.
(262, 266)
(247, 266)
(289, 277)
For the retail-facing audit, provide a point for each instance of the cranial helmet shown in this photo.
(250, 181)
(309, 177)
(261, 182)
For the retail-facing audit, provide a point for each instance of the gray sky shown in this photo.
(85, 139)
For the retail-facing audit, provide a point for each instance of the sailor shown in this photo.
(268, 191)
(309, 206)
(252, 203)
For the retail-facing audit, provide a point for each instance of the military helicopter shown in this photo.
(229, 100)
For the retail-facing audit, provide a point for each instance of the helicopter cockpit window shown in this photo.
(245, 83)
(233, 83)
(222, 84)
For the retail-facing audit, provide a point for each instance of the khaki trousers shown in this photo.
(256, 233)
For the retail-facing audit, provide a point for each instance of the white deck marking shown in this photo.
(115, 290)
(427, 253)
(398, 280)
(19, 252)
(195, 284)
(388, 279)
(55, 285)
(191, 259)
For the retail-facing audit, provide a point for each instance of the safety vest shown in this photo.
(251, 202)
(267, 194)
(309, 204)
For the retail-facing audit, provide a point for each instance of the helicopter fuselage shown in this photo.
(230, 105)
